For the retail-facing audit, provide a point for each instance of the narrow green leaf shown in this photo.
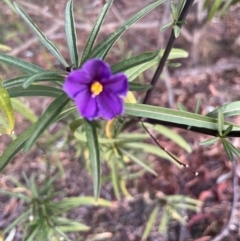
(164, 221)
(168, 25)
(172, 135)
(103, 48)
(34, 90)
(174, 116)
(209, 142)
(15, 147)
(45, 41)
(75, 124)
(74, 227)
(214, 8)
(115, 175)
(227, 131)
(95, 30)
(20, 64)
(14, 82)
(220, 123)
(234, 149)
(42, 76)
(94, 155)
(45, 120)
(155, 150)
(137, 70)
(139, 162)
(64, 113)
(134, 61)
(19, 195)
(225, 7)
(227, 149)
(18, 221)
(230, 109)
(33, 233)
(71, 33)
(197, 109)
(181, 4)
(6, 107)
(24, 110)
(33, 187)
(73, 202)
(173, 10)
(121, 138)
(150, 222)
(181, 107)
(186, 206)
(133, 86)
(176, 30)
(182, 198)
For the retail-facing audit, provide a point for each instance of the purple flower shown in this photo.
(96, 91)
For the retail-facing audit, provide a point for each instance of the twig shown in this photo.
(166, 151)
(167, 51)
(226, 229)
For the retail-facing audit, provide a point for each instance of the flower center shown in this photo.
(96, 88)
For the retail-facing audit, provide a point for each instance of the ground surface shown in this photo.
(212, 73)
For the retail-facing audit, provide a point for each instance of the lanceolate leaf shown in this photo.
(227, 148)
(75, 124)
(134, 61)
(71, 33)
(150, 222)
(139, 86)
(34, 90)
(24, 110)
(148, 148)
(94, 155)
(103, 48)
(46, 42)
(6, 107)
(94, 33)
(134, 72)
(174, 116)
(172, 135)
(15, 147)
(230, 109)
(45, 120)
(43, 76)
(209, 141)
(20, 64)
(139, 162)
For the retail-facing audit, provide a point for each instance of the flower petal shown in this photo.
(76, 82)
(117, 84)
(87, 105)
(97, 68)
(110, 105)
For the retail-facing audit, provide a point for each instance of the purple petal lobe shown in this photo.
(97, 68)
(76, 82)
(117, 84)
(110, 105)
(87, 106)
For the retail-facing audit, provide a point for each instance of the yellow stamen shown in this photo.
(96, 88)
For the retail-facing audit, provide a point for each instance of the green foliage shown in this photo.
(169, 207)
(218, 7)
(117, 149)
(6, 108)
(42, 216)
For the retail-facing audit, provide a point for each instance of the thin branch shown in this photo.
(167, 51)
(194, 129)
